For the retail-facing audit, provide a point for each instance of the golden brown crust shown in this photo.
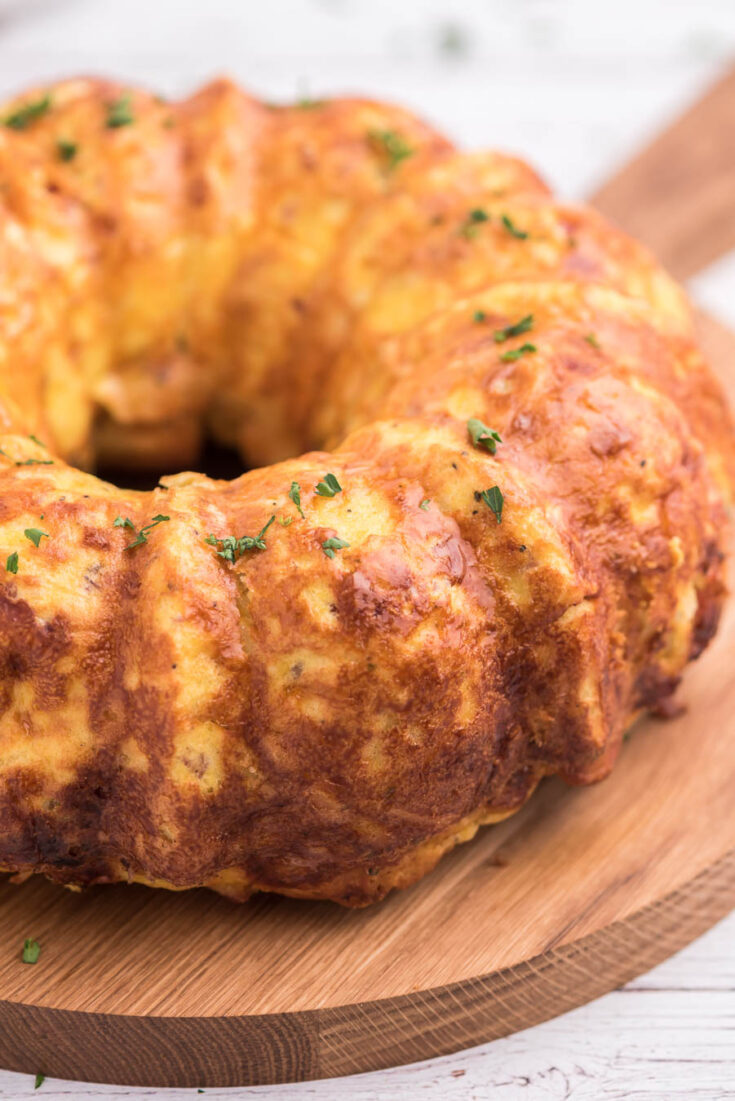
(300, 715)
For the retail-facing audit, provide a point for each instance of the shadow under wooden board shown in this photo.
(575, 895)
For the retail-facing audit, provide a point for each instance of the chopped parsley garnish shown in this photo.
(67, 150)
(425, 503)
(329, 546)
(308, 104)
(513, 229)
(231, 548)
(493, 498)
(35, 535)
(482, 436)
(24, 116)
(472, 222)
(40, 1079)
(295, 495)
(142, 535)
(285, 521)
(31, 951)
(11, 563)
(520, 327)
(35, 462)
(119, 113)
(390, 143)
(36, 440)
(330, 487)
(592, 340)
(515, 353)
(479, 315)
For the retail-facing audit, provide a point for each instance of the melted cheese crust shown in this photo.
(326, 275)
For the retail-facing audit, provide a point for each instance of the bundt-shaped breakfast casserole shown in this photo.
(317, 678)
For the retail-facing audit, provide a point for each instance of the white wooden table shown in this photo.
(576, 86)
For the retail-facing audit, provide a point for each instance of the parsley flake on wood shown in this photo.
(515, 353)
(35, 535)
(295, 494)
(31, 951)
(231, 548)
(67, 150)
(392, 145)
(493, 498)
(119, 113)
(482, 436)
(330, 487)
(472, 223)
(11, 563)
(329, 546)
(142, 535)
(513, 229)
(24, 116)
(520, 327)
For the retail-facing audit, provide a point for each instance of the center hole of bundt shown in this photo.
(214, 460)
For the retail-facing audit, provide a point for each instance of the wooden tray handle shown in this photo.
(678, 195)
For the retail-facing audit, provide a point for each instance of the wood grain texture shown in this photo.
(678, 195)
(572, 897)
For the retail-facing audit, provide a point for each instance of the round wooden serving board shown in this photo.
(576, 894)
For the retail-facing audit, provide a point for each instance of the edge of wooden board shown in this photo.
(326, 1043)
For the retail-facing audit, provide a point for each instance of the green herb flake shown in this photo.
(482, 436)
(593, 341)
(119, 113)
(142, 535)
(285, 521)
(479, 316)
(394, 147)
(472, 222)
(329, 546)
(523, 326)
(231, 548)
(515, 353)
(34, 462)
(30, 113)
(35, 535)
(39, 442)
(513, 230)
(31, 951)
(295, 494)
(67, 150)
(306, 103)
(330, 487)
(493, 498)
(40, 1079)
(11, 563)
(425, 503)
